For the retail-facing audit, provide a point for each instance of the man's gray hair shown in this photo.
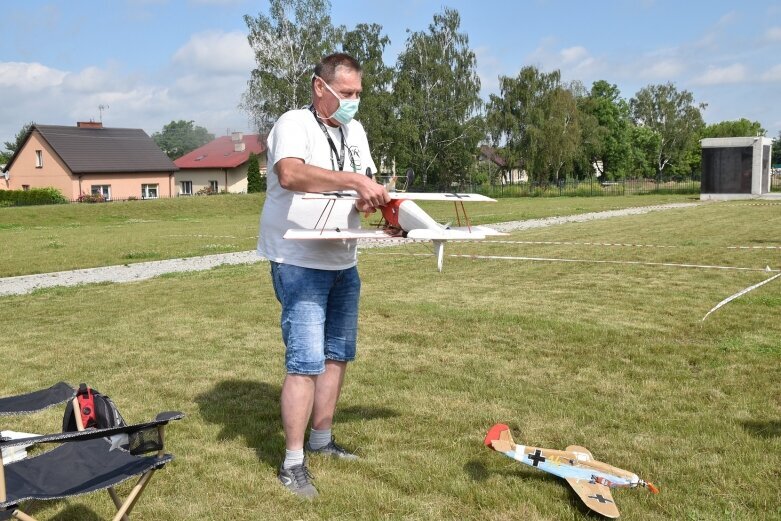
(326, 69)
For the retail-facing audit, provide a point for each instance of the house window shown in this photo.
(214, 187)
(149, 191)
(102, 190)
(39, 159)
(187, 188)
(26, 188)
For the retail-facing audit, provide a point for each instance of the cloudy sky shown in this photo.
(148, 62)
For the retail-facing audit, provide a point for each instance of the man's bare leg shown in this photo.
(298, 395)
(328, 386)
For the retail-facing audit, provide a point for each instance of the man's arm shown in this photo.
(297, 176)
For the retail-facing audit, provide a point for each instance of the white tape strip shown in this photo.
(739, 294)
(583, 261)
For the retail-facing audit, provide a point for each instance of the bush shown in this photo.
(91, 198)
(33, 196)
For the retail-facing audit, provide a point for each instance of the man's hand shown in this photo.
(371, 194)
(366, 208)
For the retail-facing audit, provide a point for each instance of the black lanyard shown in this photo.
(339, 156)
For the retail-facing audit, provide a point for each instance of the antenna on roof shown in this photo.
(101, 108)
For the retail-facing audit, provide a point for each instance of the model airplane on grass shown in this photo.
(591, 479)
(402, 219)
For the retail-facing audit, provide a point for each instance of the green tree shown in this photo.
(436, 93)
(738, 128)
(529, 109)
(12, 146)
(287, 43)
(181, 137)
(560, 136)
(255, 183)
(608, 144)
(366, 44)
(643, 152)
(673, 117)
(776, 154)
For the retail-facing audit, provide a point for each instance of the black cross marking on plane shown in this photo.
(536, 458)
(600, 498)
(458, 196)
(336, 194)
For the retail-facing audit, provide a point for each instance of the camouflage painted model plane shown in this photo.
(591, 479)
(403, 220)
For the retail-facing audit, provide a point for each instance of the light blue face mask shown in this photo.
(347, 107)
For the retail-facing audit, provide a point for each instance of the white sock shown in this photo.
(293, 458)
(318, 439)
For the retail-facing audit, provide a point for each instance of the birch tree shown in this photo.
(287, 42)
(366, 44)
(673, 117)
(437, 98)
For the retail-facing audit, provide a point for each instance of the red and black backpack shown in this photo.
(96, 410)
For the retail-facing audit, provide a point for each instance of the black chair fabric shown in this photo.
(73, 469)
(37, 400)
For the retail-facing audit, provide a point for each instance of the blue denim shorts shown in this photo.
(319, 315)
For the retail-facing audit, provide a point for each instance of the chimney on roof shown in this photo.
(238, 146)
(237, 136)
(89, 124)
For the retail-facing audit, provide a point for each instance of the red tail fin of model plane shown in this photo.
(494, 433)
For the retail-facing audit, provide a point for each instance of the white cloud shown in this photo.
(29, 76)
(216, 52)
(666, 69)
(773, 34)
(573, 54)
(773, 74)
(735, 73)
(575, 63)
(93, 79)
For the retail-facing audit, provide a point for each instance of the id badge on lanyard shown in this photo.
(339, 156)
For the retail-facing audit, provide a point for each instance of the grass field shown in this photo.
(613, 357)
(43, 239)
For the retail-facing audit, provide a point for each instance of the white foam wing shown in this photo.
(350, 195)
(424, 234)
(336, 234)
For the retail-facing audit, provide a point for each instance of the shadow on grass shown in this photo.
(250, 410)
(763, 429)
(478, 471)
(361, 412)
(78, 513)
(71, 513)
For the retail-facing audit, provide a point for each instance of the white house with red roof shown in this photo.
(221, 165)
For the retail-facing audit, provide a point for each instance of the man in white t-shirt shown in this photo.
(316, 149)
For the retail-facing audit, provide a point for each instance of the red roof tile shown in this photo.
(221, 153)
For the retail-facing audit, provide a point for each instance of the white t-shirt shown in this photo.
(297, 134)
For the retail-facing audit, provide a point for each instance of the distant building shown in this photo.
(736, 168)
(221, 165)
(88, 159)
(510, 174)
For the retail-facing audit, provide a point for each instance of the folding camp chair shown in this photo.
(84, 461)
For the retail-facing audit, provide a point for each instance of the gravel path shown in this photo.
(147, 270)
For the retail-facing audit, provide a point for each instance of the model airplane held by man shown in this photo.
(592, 480)
(402, 219)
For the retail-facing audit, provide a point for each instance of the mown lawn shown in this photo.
(613, 357)
(43, 239)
